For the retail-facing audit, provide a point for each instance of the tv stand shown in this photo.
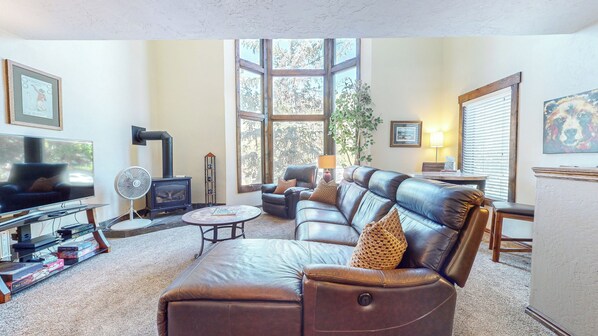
(23, 222)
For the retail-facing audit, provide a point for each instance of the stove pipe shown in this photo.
(140, 135)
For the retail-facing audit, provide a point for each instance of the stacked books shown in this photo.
(19, 274)
(77, 251)
(222, 211)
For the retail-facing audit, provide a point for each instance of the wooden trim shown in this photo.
(546, 321)
(299, 117)
(268, 154)
(514, 130)
(344, 65)
(250, 66)
(252, 116)
(11, 116)
(513, 82)
(248, 188)
(268, 118)
(587, 174)
(298, 72)
(492, 87)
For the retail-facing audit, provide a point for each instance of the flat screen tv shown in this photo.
(36, 172)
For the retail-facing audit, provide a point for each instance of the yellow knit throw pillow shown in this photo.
(325, 192)
(381, 244)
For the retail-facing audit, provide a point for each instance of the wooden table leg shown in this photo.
(497, 237)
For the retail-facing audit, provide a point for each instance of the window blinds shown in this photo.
(486, 136)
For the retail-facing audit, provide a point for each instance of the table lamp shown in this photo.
(437, 141)
(327, 162)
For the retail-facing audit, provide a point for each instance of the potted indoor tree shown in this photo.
(353, 123)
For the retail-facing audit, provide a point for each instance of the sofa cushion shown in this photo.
(444, 203)
(362, 175)
(327, 233)
(385, 183)
(326, 216)
(274, 198)
(381, 245)
(429, 242)
(371, 208)
(306, 204)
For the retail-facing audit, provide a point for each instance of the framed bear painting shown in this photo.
(571, 124)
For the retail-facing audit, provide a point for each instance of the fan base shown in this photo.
(131, 224)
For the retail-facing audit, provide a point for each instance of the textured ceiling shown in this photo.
(211, 19)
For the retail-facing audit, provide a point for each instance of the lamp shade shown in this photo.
(327, 161)
(437, 139)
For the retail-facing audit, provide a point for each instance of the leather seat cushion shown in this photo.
(327, 233)
(327, 216)
(252, 269)
(514, 208)
(306, 204)
(274, 198)
(240, 279)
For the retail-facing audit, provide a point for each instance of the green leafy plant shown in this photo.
(352, 124)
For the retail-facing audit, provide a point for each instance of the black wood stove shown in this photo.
(167, 193)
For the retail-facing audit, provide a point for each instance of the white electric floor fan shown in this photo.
(132, 183)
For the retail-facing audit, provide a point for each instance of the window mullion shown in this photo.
(267, 134)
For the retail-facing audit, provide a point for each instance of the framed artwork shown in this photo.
(405, 134)
(34, 97)
(571, 124)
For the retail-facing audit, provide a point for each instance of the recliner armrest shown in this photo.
(294, 190)
(396, 278)
(305, 195)
(268, 188)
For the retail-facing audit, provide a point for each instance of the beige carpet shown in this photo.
(117, 293)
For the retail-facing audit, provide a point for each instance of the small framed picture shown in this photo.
(34, 97)
(405, 134)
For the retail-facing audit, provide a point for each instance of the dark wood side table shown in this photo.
(455, 178)
(205, 218)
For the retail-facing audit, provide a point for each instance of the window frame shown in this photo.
(268, 117)
(513, 82)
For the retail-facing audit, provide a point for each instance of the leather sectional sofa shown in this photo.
(303, 286)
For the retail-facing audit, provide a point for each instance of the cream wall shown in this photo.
(187, 95)
(105, 90)
(551, 66)
(406, 85)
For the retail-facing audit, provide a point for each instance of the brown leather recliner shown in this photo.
(303, 287)
(284, 205)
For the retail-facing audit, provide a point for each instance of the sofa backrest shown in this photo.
(352, 189)
(443, 224)
(380, 197)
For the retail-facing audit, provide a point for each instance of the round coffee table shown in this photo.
(236, 220)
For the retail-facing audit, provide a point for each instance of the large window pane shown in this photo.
(250, 50)
(296, 142)
(339, 80)
(298, 95)
(298, 54)
(251, 152)
(344, 49)
(250, 91)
